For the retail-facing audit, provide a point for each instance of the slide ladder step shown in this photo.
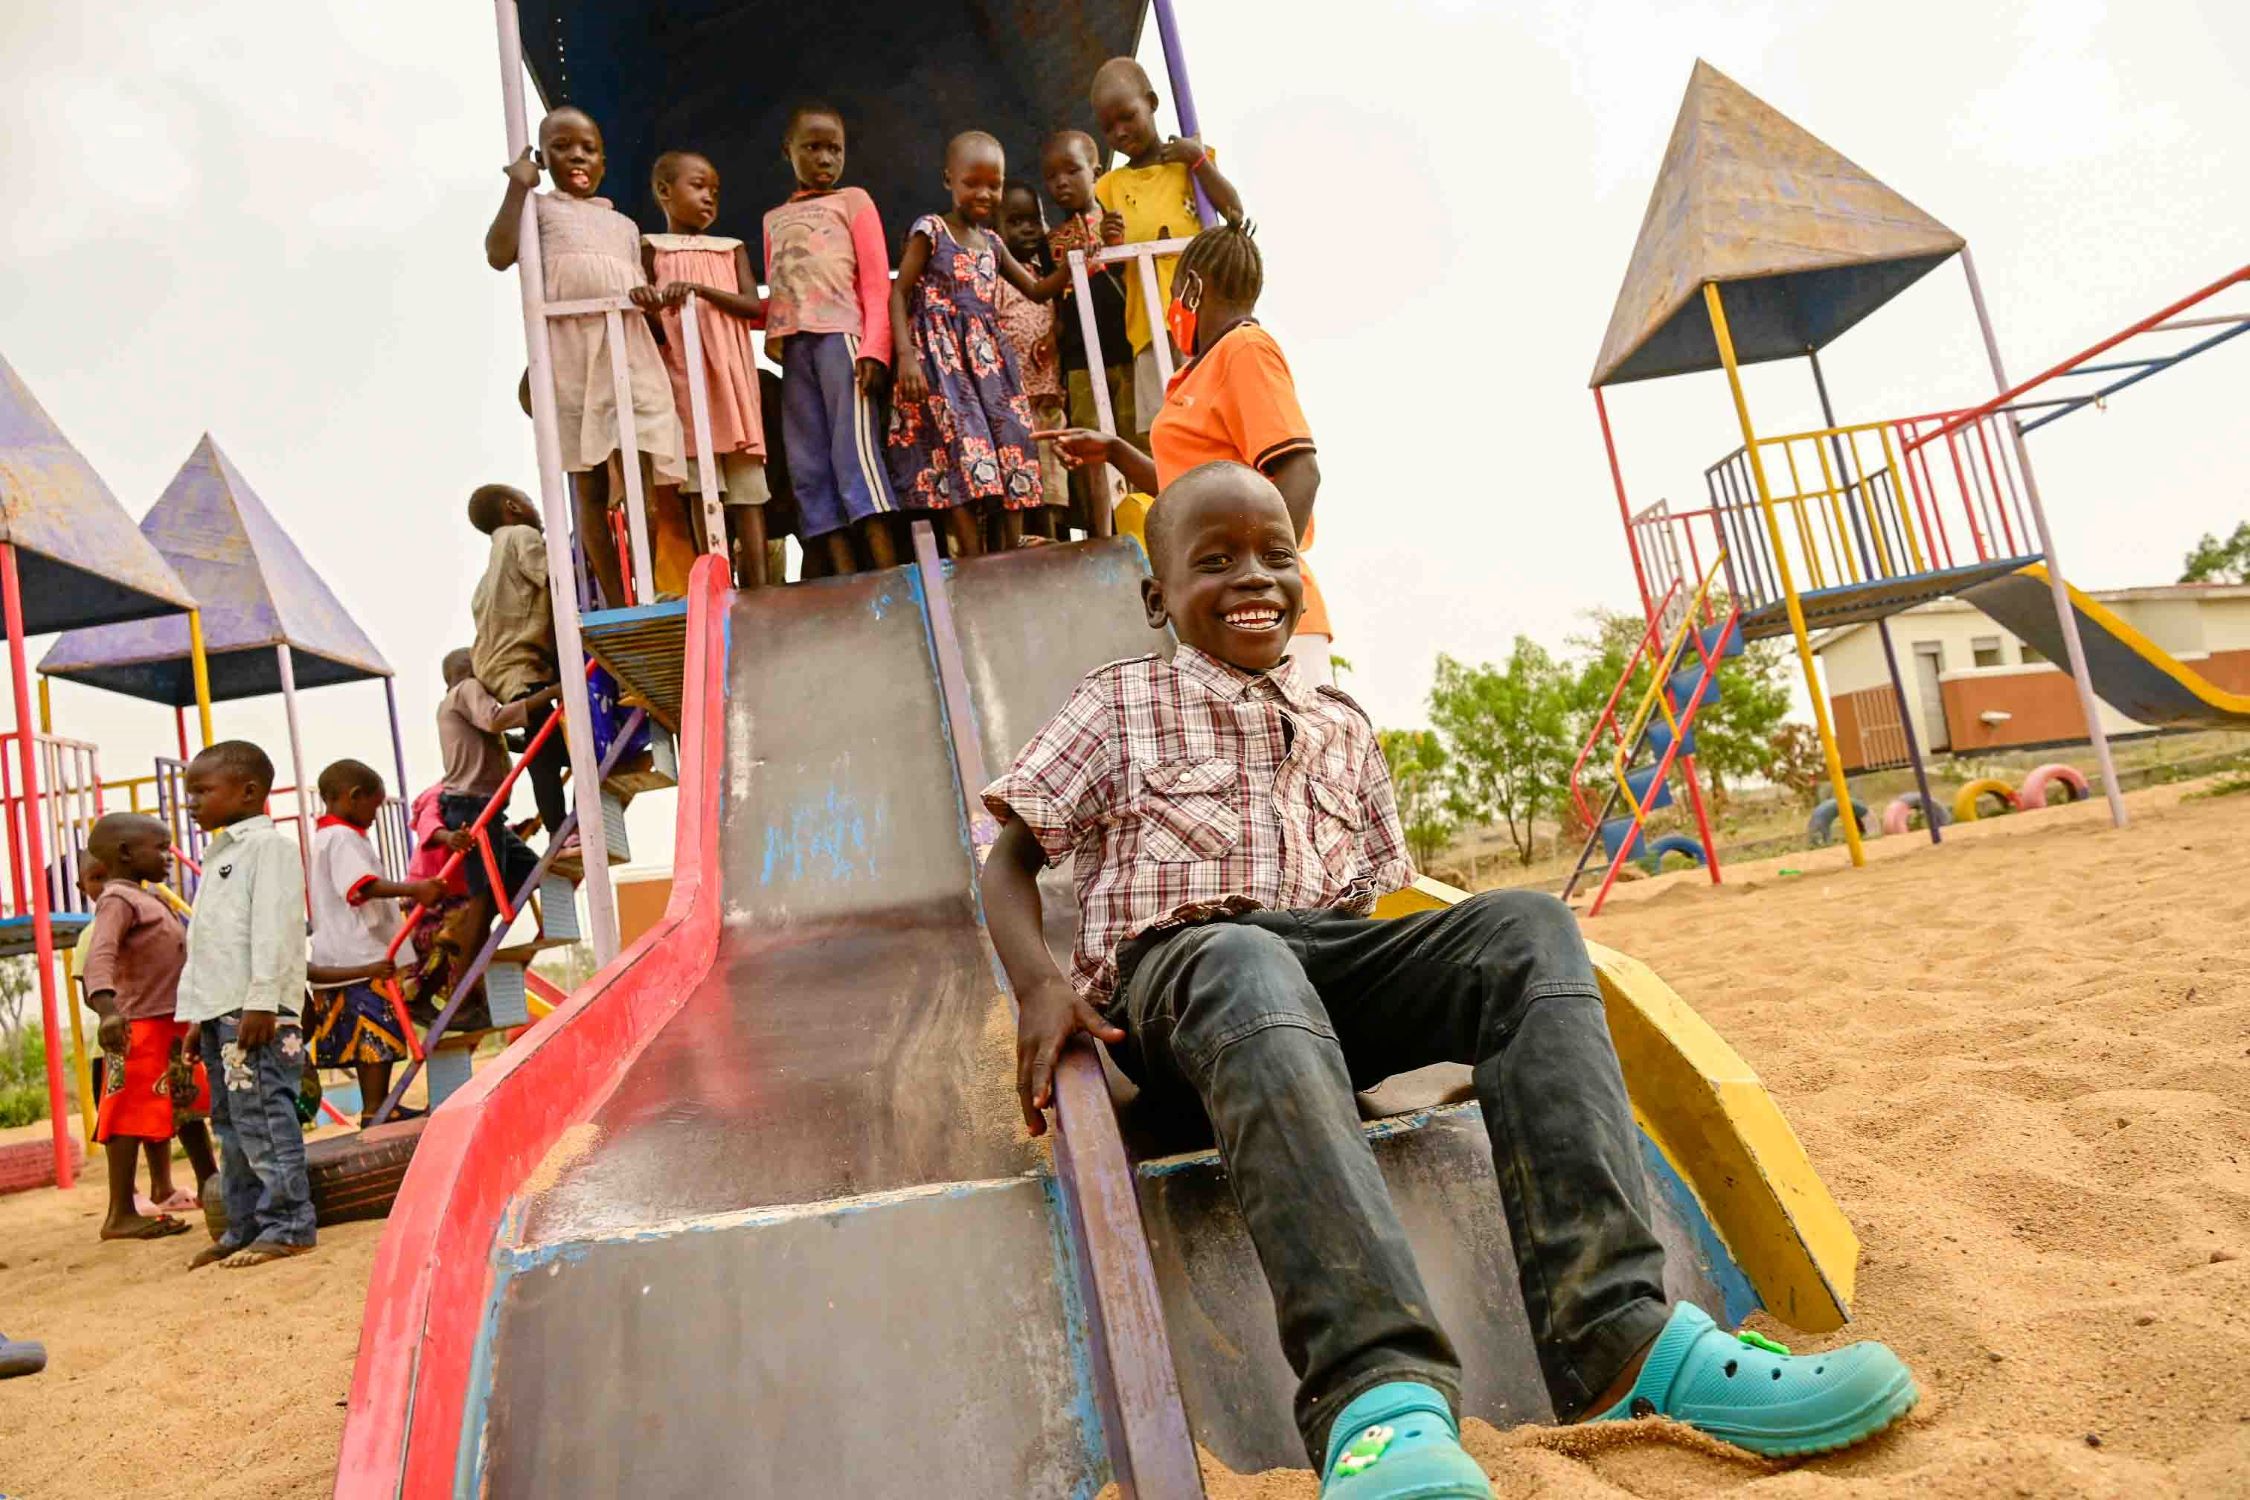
(1614, 833)
(1660, 740)
(558, 907)
(505, 995)
(613, 827)
(447, 1068)
(1647, 790)
(1682, 689)
(1723, 640)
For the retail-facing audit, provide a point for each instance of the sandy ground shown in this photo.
(2022, 1063)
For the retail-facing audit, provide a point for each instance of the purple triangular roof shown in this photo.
(80, 559)
(254, 587)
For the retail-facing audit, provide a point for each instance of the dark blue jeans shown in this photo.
(261, 1145)
(1271, 1020)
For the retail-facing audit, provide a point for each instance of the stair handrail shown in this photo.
(1607, 718)
(1657, 697)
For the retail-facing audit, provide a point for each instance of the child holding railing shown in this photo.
(716, 268)
(1030, 328)
(355, 914)
(960, 435)
(828, 326)
(1151, 197)
(1070, 163)
(470, 721)
(589, 250)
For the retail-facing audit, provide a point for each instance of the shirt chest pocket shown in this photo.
(1188, 810)
(1336, 827)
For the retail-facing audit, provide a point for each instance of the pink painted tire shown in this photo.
(1898, 817)
(2055, 773)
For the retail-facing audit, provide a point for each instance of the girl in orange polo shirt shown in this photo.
(1234, 399)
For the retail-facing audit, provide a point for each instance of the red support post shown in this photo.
(34, 848)
(1624, 507)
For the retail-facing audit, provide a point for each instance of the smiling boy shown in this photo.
(1230, 830)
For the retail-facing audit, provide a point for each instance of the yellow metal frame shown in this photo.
(1656, 697)
(1767, 506)
(1719, 1129)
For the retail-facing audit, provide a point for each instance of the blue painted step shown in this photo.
(1614, 832)
(1660, 740)
(1640, 779)
(1682, 688)
(1730, 645)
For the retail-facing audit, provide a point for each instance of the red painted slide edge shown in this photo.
(425, 1301)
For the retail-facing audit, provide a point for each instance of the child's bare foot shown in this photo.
(139, 1227)
(211, 1255)
(258, 1254)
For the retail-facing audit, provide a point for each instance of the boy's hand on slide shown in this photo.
(913, 387)
(1077, 447)
(1113, 228)
(524, 170)
(1046, 1019)
(872, 373)
(258, 1027)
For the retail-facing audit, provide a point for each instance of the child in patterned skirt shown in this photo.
(961, 426)
(355, 910)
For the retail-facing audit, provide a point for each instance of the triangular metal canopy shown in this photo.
(1806, 243)
(78, 557)
(255, 589)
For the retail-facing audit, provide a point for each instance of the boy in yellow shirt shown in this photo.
(1151, 197)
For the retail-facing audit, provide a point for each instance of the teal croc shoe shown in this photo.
(1398, 1442)
(1747, 1390)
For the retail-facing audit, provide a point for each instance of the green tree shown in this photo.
(2214, 561)
(1735, 734)
(1507, 738)
(1417, 761)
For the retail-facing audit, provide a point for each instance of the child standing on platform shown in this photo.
(1070, 163)
(960, 433)
(587, 250)
(717, 270)
(243, 989)
(1030, 328)
(355, 915)
(828, 326)
(150, 1091)
(1151, 197)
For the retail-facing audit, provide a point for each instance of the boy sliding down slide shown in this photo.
(1230, 829)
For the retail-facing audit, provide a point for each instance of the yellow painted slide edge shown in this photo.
(2209, 693)
(1715, 1124)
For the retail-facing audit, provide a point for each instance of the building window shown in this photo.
(1985, 651)
(2030, 654)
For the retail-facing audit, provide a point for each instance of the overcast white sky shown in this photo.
(265, 220)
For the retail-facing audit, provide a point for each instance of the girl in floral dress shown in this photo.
(960, 436)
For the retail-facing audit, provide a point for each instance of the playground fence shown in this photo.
(68, 802)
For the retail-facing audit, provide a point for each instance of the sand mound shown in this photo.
(2022, 1062)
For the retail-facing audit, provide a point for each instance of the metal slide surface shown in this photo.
(803, 1248)
(1031, 623)
(2131, 673)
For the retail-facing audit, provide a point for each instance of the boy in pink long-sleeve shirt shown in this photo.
(828, 325)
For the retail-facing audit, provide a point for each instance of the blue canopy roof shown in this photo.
(720, 77)
(78, 556)
(255, 589)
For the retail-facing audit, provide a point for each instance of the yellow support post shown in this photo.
(46, 707)
(1898, 498)
(201, 667)
(81, 1063)
(1827, 730)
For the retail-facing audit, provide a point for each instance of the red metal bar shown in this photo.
(2009, 396)
(1607, 719)
(179, 718)
(1624, 508)
(1702, 818)
(42, 919)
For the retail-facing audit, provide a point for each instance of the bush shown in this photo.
(23, 1078)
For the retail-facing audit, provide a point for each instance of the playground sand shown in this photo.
(2022, 1062)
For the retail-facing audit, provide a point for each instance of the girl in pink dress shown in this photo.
(717, 270)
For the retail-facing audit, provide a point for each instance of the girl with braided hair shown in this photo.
(1234, 399)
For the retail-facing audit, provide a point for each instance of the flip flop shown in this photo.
(161, 1227)
(1398, 1442)
(21, 1357)
(181, 1202)
(1747, 1390)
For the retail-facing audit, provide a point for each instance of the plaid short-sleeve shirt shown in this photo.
(1189, 789)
